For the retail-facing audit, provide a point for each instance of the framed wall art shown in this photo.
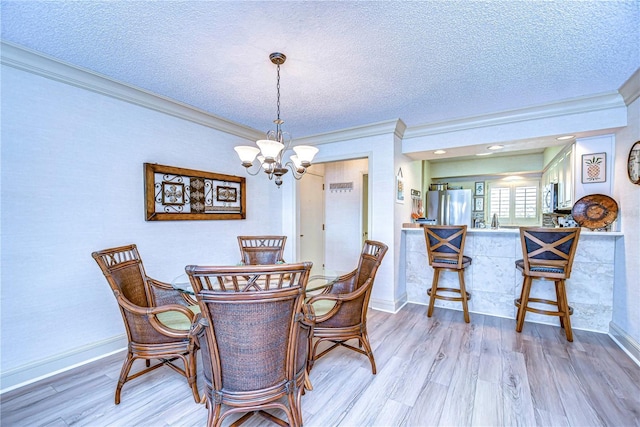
(479, 188)
(594, 168)
(399, 187)
(173, 193)
(633, 163)
(478, 204)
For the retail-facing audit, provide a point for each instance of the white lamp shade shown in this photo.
(305, 153)
(296, 162)
(246, 153)
(270, 149)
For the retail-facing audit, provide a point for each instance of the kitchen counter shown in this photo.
(494, 282)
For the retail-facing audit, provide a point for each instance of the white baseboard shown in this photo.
(40, 369)
(388, 306)
(625, 342)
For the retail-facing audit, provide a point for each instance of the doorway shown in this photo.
(344, 223)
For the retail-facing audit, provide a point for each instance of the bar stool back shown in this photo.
(548, 255)
(445, 248)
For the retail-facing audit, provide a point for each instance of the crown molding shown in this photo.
(28, 60)
(579, 105)
(630, 90)
(396, 127)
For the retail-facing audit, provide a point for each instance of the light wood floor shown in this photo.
(437, 371)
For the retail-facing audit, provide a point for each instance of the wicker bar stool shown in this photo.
(547, 255)
(445, 247)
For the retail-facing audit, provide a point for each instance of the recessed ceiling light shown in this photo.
(483, 154)
(564, 138)
(496, 147)
(439, 152)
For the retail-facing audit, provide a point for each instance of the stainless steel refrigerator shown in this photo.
(450, 207)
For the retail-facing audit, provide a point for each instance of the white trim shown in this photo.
(630, 90)
(20, 376)
(388, 306)
(395, 126)
(581, 105)
(625, 342)
(24, 59)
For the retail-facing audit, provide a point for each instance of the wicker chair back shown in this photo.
(254, 337)
(256, 250)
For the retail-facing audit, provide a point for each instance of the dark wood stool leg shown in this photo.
(463, 294)
(564, 308)
(558, 298)
(524, 300)
(434, 288)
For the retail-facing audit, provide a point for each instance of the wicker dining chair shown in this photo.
(341, 307)
(256, 250)
(149, 310)
(254, 338)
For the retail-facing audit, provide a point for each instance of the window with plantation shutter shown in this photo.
(526, 202)
(515, 203)
(499, 202)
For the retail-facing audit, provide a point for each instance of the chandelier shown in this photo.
(270, 151)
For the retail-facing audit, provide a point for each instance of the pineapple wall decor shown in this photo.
(594, 168)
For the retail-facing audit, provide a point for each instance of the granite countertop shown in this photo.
(585, 231)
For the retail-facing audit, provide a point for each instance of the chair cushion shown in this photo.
(539, 269)
(323, 306)
(177, 320)
(465, 261)
(547, 270)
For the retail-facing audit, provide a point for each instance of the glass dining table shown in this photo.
(315, 283)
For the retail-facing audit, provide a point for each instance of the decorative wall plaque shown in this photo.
(173, 193)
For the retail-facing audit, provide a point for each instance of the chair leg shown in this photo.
(524, 300)
(124, 373)
(463, 294)
(364, 339)
(558, 298)
(434, 288)
(191, 371)
(565, 310)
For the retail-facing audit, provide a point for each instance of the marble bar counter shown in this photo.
(494, 282)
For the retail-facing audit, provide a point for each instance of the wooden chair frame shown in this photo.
(348, 318)
(141, 299)
(262, 249)
(445, 255)
(225, 295)
(535, 266)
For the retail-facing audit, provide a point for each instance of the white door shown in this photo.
(311, 216)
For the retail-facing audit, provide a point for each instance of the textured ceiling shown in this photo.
(349, 63)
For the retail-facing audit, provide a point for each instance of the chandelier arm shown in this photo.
(297, 175)
(253, 173)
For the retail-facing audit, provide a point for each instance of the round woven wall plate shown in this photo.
(595, 211)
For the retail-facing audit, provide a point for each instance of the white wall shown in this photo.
(72, 183)
(584, 146)
(626, 292)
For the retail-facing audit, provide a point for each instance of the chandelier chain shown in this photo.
(278, 103)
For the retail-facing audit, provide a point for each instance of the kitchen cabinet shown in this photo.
(561, 171)
(566, 199)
